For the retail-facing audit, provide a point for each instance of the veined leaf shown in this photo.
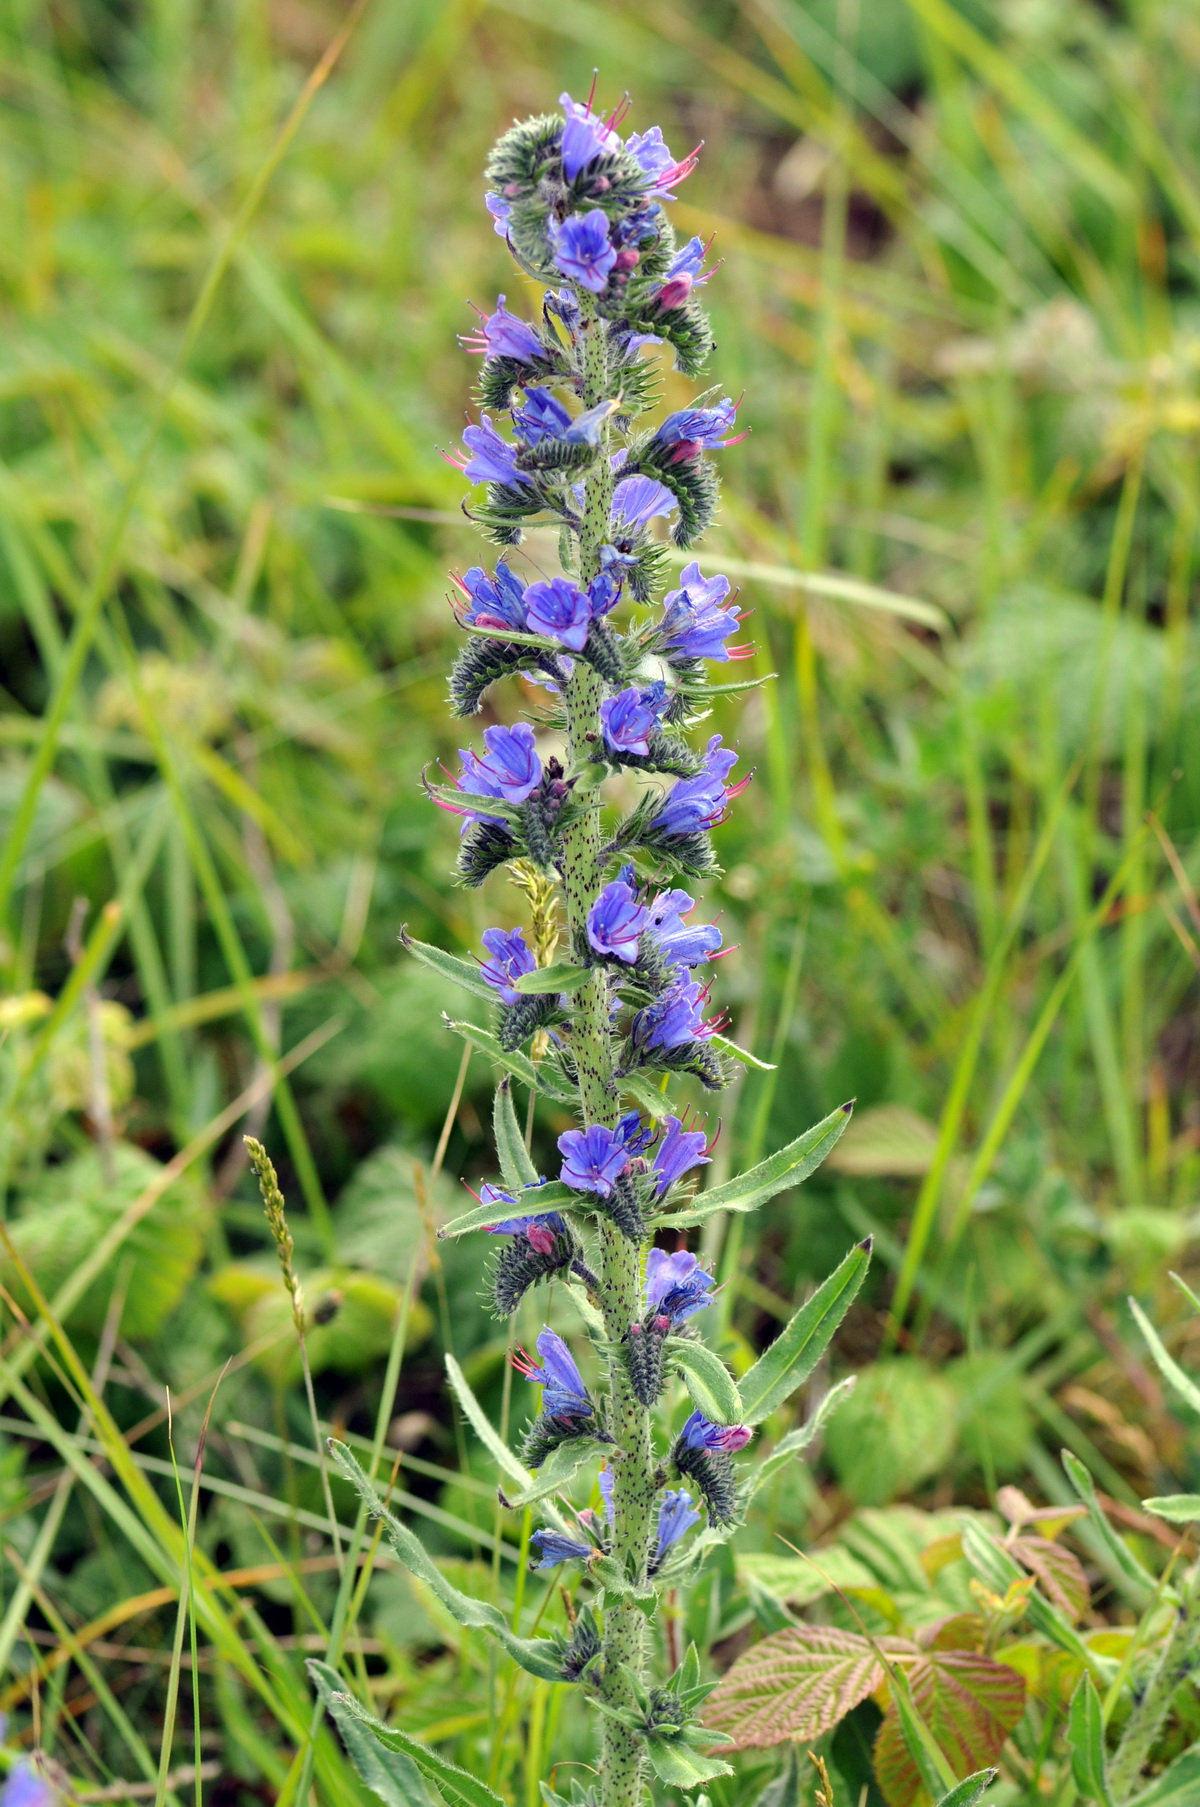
(970, 1790)
(519, 1065)
(455, 1783)
(562, 977)
(515, 1165)
(451, 966)
(1176, 1508)
(796, 1684)
(779, 1171)
(1177, 1786)
(1168, 1367)
(1085, 1736)
(799, 1346)
(967, 1702)
(536, 1655)
(390, 1773)
(551, 1197)
(707, 1379)
(560, 1466)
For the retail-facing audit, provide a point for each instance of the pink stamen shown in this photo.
(524, 1363)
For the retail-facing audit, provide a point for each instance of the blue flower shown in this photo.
(636, 501)
(650, 151)
(565, 1395)
(560, 610)
(593, 1158)
(540, 1233)
(495, 602)
(633, 1134)
(630, 719)
(510, 960)
(582, 250)
(676, 1285)
(605, 1484)
(681, 943)
(615, 921)
(492, 460)
(699, 802)
(679, 1151)
(510, 769)
(694, 625)
(544, 417)
(676, 1516)
(26, 1786)
(700, 1433)
(697, 427)
(554, 1548)
(503, 335)
(675, 1018)
(585, 136)
(499, 209)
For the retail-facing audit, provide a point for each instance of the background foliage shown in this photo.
(960, 290)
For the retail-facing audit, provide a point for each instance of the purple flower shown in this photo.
(676, 1285)
(629, 719)
(700, 427)
(503, 335)
(681, 944)
(510, 769)
(700, 1433)
(26, 1786)
(650, 151)
(605, 1483)
(676, 1516)
(553, 1548)
(585, 136)
(636, 501)
(565, 1395)
(510, 959)
(544, 417)
(492, 459)
(679, 1151)
(540, 1233)
(684, 273)
(496, 602)
(560, 610)
(499, 209)
(581, 249)
(594, 1158)
(675, 1018)
(699, 802)
(615, 921)
(635, 1137)
(694, 625)
(604, 593)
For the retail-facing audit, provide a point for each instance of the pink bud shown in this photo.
(673, 293)
(627, 260)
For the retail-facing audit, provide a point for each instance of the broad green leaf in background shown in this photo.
(1085, 1737)
(898, 1428)
(796, 1684)
(798, 1348)
(388, 1770)
(707, 1379)
(798, 1581)
(788, 1167)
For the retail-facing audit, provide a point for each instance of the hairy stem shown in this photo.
(620, 1260)
(1177, 1661)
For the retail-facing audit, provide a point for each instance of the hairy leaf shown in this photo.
(797, 1441)
(679, 1766)
(562, 977)
(707, 1379)
(1085, 1736)
(390, 1773)
(1177, 1786)
(969, 1702)
(1134, 1572)
(797, 1349)
(798, 1683)
(451, 966)
(970, 1790)
(519, 1065)
(455, 1783)
(1169, 1368)
(551, 1197)
(779, 1171)
(1176, 1508)
(515, 1164)
(560, 1466)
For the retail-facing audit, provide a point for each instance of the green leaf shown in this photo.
(679, 1766)
(707, 1379)
(797, 1581)
(799, 1346)
(643, 1091)
(743, 1054)
(539, 1199)
(504, 1458)
(1176, 1508)
(515, 1165)
(951, 1711)
(514, 636)
(1081, 1480)
(1177, 1786)
(390, 1773)
(778, 1172)
(462, 802)
(455, 1783)
(563, 977)
(560, 1466)
(519, 1065)
(797, 1441)
(1166, 1363)
(536, 1655)
(970, 1789)
(451, 966)
(1085, 1737)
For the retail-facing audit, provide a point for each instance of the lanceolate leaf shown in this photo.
(780, 1171)
(707, 1379)
(387, 1772)
(515, 1164)
(1142, 1580)
(451, 966)
(480, 1423)
(552, 978)
(968, 1701)
(799, 1346)
(536, 1655)
(464, 802)
(970, 1790)
(560, 1466)
(796, 1684)
(456, 1784)
(1085, 1735)
(551, 1197)
(1177, 1786)
(519, 1065)
(797, 1441)
(743, 1054)
(1176, 1508)
(1183, 1384)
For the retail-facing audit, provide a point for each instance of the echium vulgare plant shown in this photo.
(604, 1030)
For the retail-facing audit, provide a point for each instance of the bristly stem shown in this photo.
(620, 1259)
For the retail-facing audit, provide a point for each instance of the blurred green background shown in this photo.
(959, 290)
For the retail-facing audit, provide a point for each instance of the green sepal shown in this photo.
(707, 1379)
(563, 977)
(779, 1171)
(515, 1165)
(536, 1655)
(519, 1065)
(451, 966)
(797, 1349)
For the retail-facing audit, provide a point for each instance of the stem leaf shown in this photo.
(707, 1379)
(1085, 1736)
(451, 966)
(515, 1164)
(744, 1055)
(970, 1790)
(786, 1168)
(560, 1466)
(679, 1766)
(458, 1785)
(519, 1065)
(390, 1771)
(539, 1199)
(797, 1349)
(563, 977)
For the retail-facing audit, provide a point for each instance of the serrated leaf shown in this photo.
(536, 1655)
(707, 1379)
(538, 1200)
(563, 977)
(451, 966)
(519, 1065)
(1168, 1367)
(679, 1766)
(456, 1784)
(1085, 1738)
(969, 1703)
(1177, 1786)
(796, 1684)
(786, 1168)
(560, 1466)
(390, 1773)
(1176, 1508)
(970, 1790)
(799, 1346)
(515, 1165)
